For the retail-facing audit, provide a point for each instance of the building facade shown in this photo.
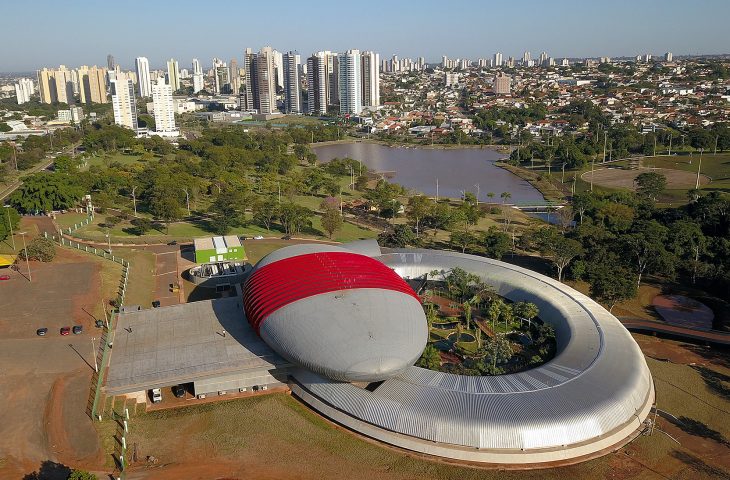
(350, 82)
(173, 75)
(292, 83)
(144, 82)
(92, 84)
(370, 70)
(23, 90)
(124, 103)
(164, 109)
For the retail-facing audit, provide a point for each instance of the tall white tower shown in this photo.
(350, 82)
(123, 101)
(173, 74)
(143, 76)
(164, 109)
(292, 84)
(370, 70)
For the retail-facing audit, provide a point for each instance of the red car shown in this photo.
(65, 330)
(4, 277)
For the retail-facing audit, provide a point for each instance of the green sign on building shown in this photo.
(218, 249)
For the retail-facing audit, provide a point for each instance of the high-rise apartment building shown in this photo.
(498, 59)
(173, 75)
(110, 63)
(144, 81)
(278, 59)
(198, 83)
(92, 84)
(124, 103)
(317, 84)
(23, 90)
(526, 58)
(234, 77)
(502, 84)
(221, 81)
(292, 83)
(164, 109)
(668, 57)
(350, 82)
(260, 81)
(370, 71)
(64, 85)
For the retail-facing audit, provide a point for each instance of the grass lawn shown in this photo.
(107, 159)
(295, 120)
(141, 284)
(65, 220)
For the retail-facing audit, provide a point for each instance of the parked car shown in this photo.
(41, 332)
(286, 237)
(65, 330)
(174, 242)
(178, 391)
(156, 304)
(78, 329)
(99, 323)
(258, 237)
(4, 277)
(156, 394)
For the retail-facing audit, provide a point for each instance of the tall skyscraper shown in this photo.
(370, 70)
(279, 68)
(260, 81)
(110, 63)
(350, 82)
(92, 84)
(221, 81)
(173, 74)
(124, 103)
(23, 90)
(292, 83)
(164, 109)
(498, 59)
(317, 84)
(144, 81)
(526, 57)
(234, 77)
(46, 86)
(197, 76)
(668, 57)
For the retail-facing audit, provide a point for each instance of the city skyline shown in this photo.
(432, 30)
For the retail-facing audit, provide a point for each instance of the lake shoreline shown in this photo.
(501, 149)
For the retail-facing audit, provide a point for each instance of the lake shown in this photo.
(456, 169)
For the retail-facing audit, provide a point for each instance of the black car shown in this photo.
(41, 332)
(178, 391)
(77, 329)
(174, 242)
(156, 304)
(286, 237)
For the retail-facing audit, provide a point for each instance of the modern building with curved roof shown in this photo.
(343, 317)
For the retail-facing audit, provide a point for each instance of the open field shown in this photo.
(613, 177)
(275, 436)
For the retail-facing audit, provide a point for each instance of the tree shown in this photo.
(689, 243)
(557, 248)
(41, 249)
(526, 311)
(611, 283)
(419, 206)
(142, 225)
(81, 475)
(294, 217)
(5, 228)
(650, 184)
(496, 243)
(229, 209)
(44, 192)
(265, 212)
(463, 240)
(646, 245)
(331, 219)
(400, 237)
(166, 208)
(505, 196)
(430, 358)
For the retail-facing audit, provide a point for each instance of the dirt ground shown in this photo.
(620, 178)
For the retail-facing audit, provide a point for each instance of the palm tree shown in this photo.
(467, 313)
(505, 196)
(490, 195)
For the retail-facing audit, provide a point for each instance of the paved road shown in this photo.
(639, 325)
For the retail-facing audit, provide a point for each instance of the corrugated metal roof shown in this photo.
(597, 382)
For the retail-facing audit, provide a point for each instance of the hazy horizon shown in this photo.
(83, 33)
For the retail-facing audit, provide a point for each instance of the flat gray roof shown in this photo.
(182, 343)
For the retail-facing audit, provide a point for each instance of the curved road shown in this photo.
(643, 326)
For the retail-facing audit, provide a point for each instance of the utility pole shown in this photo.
(93, 354)
(562, 180)
(27, 263)
(670, 145)
(715, 145)
(654, 146)
(437, 189)
(279, 187)
(699, 167)
(187, 199)
(593, 164)
(134, 200)
(10, 224)
(106, 317)
(109, 243)
(605, 140)
(477, 185)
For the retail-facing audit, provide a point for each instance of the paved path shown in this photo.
(640, 325)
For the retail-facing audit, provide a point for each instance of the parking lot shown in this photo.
(45, 380)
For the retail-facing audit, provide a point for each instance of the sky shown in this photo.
(82, 32)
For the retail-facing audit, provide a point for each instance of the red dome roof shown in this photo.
(285, 281)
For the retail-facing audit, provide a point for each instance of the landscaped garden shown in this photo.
(473, 331)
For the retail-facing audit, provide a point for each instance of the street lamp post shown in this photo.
(477, 185)
(93, 354)
(10, 224)
(109, 243)
(562, 179)
(134, 200)
(27, 263)
(187, 199)
(699, 167)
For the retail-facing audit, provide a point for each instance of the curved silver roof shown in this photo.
(597, 384)
(349, 334)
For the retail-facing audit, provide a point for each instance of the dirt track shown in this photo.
(620, 178)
